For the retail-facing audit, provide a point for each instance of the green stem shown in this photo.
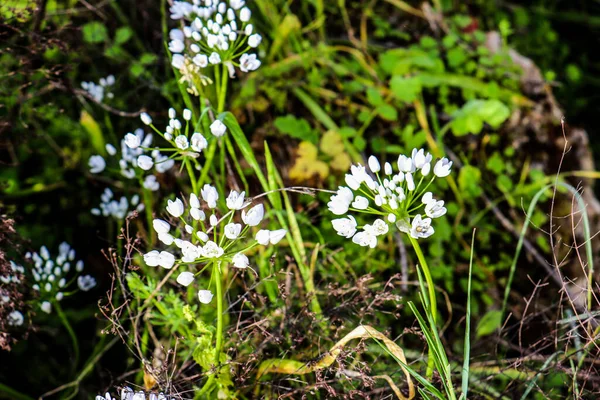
(219, 334)
(147, 194)
(190, 170)
(13, 393)
(432, 299)
(223, 91)
(67, 325)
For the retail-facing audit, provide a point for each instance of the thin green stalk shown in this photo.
(219, 334)
(432, 299)
(13, 393)
(223, 91)
(147, 195)
(67, 325)
(190, 170)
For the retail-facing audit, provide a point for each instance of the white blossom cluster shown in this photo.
(206, 237)
(128, 394)
(50, 274)
(214, 32)
(399, 198)
(101, 89)
(15, 317)
(135, 159)
(117, 209)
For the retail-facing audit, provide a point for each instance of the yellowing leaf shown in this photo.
(94, 131)
(307, 165)
(331, 143)
(341, 162)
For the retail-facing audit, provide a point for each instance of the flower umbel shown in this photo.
(399, 198)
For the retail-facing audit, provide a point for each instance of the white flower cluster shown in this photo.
(214, 32)
(50, 274)
(128, 394)
(205, 238)
(15, 317)
(110, 207)
(398, 198)
(100, 90)
(141, 155)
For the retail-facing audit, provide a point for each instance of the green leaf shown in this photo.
(123, 34)
(469, 180)
(495, 163)
(374, 96)
(471, 117)
(489, 323)
(94, 32)
(148, 58)
(387, 112)
(298, 128)
(95, 133)
(405, 89)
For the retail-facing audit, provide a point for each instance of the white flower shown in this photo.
(378, 228)
(442, 168)
(132, 141)
(218, 128)
(200, 60)
(360, 203)
(46, 307)
(245, 14)
(248, 29)
(240, 261)
(410, 183)
(235, 200)
(197, 214)
(176, 46)
(152, 258)
(210, 195)
(352, 182)
(205, 296)
(374, 164)
(421, 228)
(419, 158)
(166, 238)
(181, 142)
(254, 216)
(161, 226)
(236, 4)
(202, 236)
(86, 282)
(213, 221)
(249, 62)
(365, 238)
(199, 142)
(185, 278)
(96, 164)
(178, 61)
(175, 208)
(15, 318)
(212, 250)
(232, 230)
(265, 236)
(151, 183)
(435, 209)
(146, 119)
(340, 202)
(405, 164)
(110, 149)
(254, 40)
(214, 58)
(345, 226)
(166, 260)
(145, 162)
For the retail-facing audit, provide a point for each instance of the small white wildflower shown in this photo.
(146, 119)
(442, 168)
(240, 261)
(185, 278)
(254, 40)
(210, 195)
(96, 164)
(345, 226)
(235, 200)
(86, 282)
(181, 142)
(214, 58)
(232, 230)
(145, 162)
(218, 128)
(205, 296)
(254, 216)
(198, 142)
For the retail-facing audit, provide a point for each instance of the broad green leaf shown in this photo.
(405, 89)
(123, 34)
(297, 128)
(94, 32)
(489, 323)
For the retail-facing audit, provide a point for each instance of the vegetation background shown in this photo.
(485, 83)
